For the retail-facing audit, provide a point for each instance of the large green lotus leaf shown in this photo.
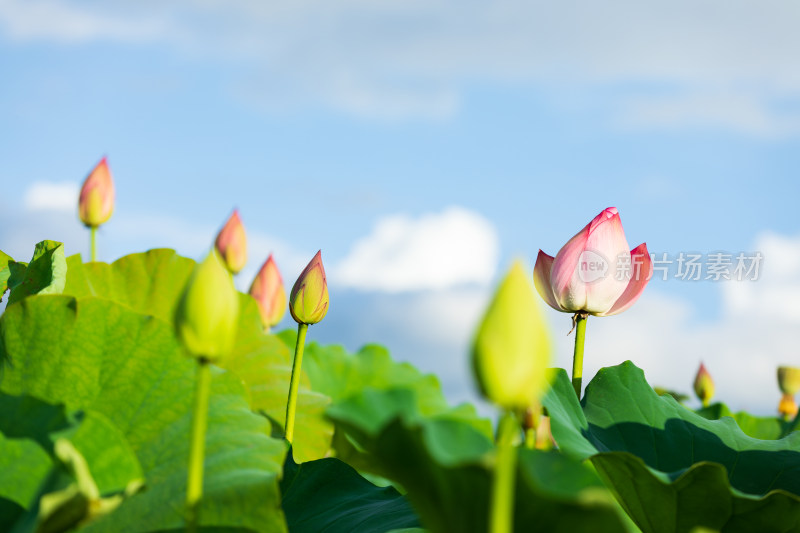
(445, 465)
(29, 428)
(339, 375)
(151, 283)
(24, 464)
(329, 495)
(97, 355)
(759, 427)
(4, 272)
(672, 469)
(45, 274)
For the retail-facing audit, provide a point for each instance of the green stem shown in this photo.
(291, 405)
(197, 444)
(577, 358)
(530, 423)
(530, 438)
(501, 519)
(93, 242)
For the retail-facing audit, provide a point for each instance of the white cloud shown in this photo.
(775, 294)
(439, 317)
(735, 110)
(728, 63)
(21, 230)
(434, 251)
(48, 196)
(65, 22)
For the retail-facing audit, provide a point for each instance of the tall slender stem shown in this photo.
(577, 358)
(501, 518)
(530, 438)
(291, 404)
(197, 444)
(530, 423)
(93, 242)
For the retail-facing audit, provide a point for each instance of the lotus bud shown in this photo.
(267, 289)
(511, 350)
(308, 302)
(787, 406)
(703, 385)
(208, 311)
(789, 379)
(231, 243)
(594, 272)
(96, 202)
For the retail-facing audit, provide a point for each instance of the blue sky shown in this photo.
(447, 138)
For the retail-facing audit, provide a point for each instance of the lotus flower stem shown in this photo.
(197, 444)
(501, 517)
(577, 357)
(530, 438)
(530, 424)
(291, 405)
(93, 242)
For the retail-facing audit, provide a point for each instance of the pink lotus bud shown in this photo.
(594, 272)
(232, 243)
(267, 289)
(96, 202)
(787, 407)
(308, 302)
(704, 385)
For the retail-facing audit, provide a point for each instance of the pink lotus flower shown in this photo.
(594, 273)
(96, 202)
(267, 289)
(232, 243)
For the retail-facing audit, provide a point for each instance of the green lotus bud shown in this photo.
(206, 316)
(308, 302)
(511, 351)
(704, 385)
(787, 407)
(789, 379)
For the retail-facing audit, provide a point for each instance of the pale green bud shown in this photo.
(208, 311)
(308, 302)
(789, 379)
(511, 351)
